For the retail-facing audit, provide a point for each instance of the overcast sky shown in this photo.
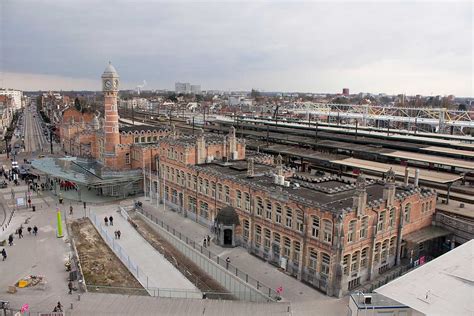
(392, 47)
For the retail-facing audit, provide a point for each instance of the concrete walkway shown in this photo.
(158, 271)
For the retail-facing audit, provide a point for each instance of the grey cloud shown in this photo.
(240, 45)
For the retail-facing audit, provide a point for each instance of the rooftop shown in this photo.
(329, 193)
(443, 286)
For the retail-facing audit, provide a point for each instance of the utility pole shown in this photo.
(51, 140)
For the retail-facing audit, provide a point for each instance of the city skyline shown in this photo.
(303, 47)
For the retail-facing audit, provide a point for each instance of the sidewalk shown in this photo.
(293, 290)
(159, 272)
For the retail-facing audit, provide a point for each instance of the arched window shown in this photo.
(393, 242)
(258, 235)
(313, 259)
(268, 209)
(364, 227)
(351, 231)
(246, 229)
(355, 262)
(247, 201)
(406, 213)
(278, 213)
(345, 264)
(364, 257)
(315, 227)
(327, 231)
(266, 241)
(286, 247)
(289, 217)
(384, 254)
(381, 221)
(259, 206)
(238, 199)
(325, 263)
(296, 251)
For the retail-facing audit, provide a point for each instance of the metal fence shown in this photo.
(243, 286)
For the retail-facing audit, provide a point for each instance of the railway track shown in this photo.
(456, 194)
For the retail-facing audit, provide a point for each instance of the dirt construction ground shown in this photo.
(188, 268)
(99, 264)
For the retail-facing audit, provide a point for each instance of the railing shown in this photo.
(243, 286)
(161, 292)
(135, 269)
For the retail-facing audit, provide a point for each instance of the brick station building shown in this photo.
(334, 234)
(331, 233)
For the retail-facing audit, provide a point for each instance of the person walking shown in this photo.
(115, 233)
(119, 233)
(111, 220)
(20, 232)
(70, 287)
(35, 230)
(204, 242)
(10, 240)
(227, 261)
(106, 221)
(4, 254)
(29, 230)
(208, 240)
(70, 210)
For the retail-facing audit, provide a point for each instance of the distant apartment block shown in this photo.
(186, 88)
(345, 91)
(196, 88)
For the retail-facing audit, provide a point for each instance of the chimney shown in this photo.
(417, 176)
(250, 168)
(201, 147)
(279, 165)
(359, 200)
(231, 138)
(407, 177)
(389, 188)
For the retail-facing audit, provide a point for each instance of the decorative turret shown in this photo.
(359, 200)
(201, 154)
(389, 187)
(279, 165)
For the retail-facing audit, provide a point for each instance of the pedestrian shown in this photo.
(227, 261)
(29, 230)
(115, 233)
(111, 220)
(208, 240)
(10, 240)
(204, 242)
(69, 285)
(20, 232)
(4, 254)
(59, 307)
(29, 202)
(106, 221)
(70, 210)
(35, 230)
(119, 234)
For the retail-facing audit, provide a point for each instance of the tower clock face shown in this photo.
(108, 84)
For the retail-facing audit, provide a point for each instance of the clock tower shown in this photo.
(110, 83)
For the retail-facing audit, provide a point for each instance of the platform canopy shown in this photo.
(426, 175)
(80, 171)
